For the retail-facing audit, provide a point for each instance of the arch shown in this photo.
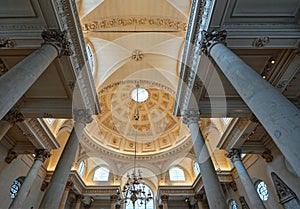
(101, 174)
(177, 174)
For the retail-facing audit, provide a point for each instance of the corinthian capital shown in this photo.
(234, 154)
(190, 116)
(57, 39)
(42, 154)
(13, 116)
(82, 116)
(211, 38)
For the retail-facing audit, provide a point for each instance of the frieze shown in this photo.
(111, 22)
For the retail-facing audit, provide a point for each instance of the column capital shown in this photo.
(164, 198)
(11, 155)
(209, 39)
(42, 154)
(82, 116)
(114, 198)
(57, 39)
(234, 154)
(190, 116)
(14, 116)
(79, 197)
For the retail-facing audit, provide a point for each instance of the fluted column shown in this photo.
(12, 117)
(164, 199)
(78, 201)
(23, 75)
(211, 182)
(255, 201)
(60, 176)
(40, 157)
(199, 198)
(275, 112)
(65, 195)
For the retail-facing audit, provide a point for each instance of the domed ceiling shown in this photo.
(134, 42)
(156, 130)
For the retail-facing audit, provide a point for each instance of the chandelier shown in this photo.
(134, 189)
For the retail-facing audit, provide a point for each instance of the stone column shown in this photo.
(65, 195)
(275, 112)
(199, 198)
(23, 75)
(78, 201)
(255, 201)
(164, 198)
(60, 176)
(113, 200)
(211, 182)
(9, 120)
(40, 157)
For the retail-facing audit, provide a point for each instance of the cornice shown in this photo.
(93, 147)
(200, 16)
(67, 15)
(39, 134)
(141, 21)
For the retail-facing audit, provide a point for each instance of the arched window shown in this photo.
(232, 204)
(196, 168)
(226, 120)
(176, 174)
(101, 174)
(149, 204)
(16, 186)
(91, 59)
(49, 120)
(262, 190)
(81, 168)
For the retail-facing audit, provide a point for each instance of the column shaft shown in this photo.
(277, 114)
(4, 127)
(235, 156)
(31, 176)
(60, 176)
(252, 195)
(211, 182)
(20, 78)
(65, 196)
(78, 201)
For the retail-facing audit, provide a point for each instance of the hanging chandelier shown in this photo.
(134, 189)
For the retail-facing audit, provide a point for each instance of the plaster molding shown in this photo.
(40, 136)
(113, 22)
(69, 22)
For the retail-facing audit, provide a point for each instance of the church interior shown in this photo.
(150, 104)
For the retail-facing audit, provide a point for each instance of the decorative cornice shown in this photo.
(57, 39)
(39, 134)
(200, 15)
(112, 22)
(69, 21)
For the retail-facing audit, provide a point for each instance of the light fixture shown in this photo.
(134, 189)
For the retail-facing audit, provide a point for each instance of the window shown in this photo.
(81, 168)
(233, 204)
(176, 174)
(91, 59)
(149, 204)
(196, 168)
(16, 186)
(262, 190)
(139, 94)
(49, 120)
(226, 120)
(101, 174)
